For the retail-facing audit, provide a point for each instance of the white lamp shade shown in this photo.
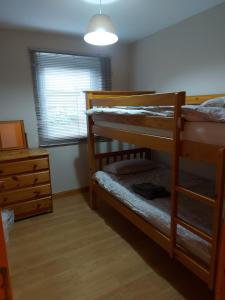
(100, 31)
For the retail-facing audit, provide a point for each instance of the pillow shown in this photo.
(216, 102)
(129, 166)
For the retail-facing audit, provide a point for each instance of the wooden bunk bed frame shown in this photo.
(177, 148)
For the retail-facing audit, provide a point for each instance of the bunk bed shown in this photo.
(178, 145)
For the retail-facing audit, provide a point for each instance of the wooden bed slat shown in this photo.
(136, 100)
(137, 120)
(194, 229)
(109, 94)
(118, 153)
(196, 196)
(201, 98)
(139, 139)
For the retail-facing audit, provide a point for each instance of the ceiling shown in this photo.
(133, 19)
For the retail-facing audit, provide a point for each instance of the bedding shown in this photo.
(191, 113)
(157, 212)
(150, 191)
(216, 102)
(129, 166)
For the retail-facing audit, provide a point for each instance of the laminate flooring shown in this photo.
(76, 253)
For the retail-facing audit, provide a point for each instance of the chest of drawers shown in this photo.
(25, 184)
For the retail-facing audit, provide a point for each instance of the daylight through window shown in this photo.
(60, 80)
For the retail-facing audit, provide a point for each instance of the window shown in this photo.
(59, 82)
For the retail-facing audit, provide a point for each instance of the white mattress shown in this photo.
(192, 113)
(204, 132)
(157, 211)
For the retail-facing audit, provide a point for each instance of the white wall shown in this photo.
(69, 163)
(188, 56)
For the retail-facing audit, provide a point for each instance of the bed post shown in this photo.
(91, 152)
(175, 166)
(217, 215)
(220, 286)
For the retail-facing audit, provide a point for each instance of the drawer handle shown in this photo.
(15, 178)
(39, 205)
(35, 180)
(34, 166)
(5, 199)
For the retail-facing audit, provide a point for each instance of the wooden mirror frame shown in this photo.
(17, 140)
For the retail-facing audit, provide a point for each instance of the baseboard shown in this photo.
(71, 192)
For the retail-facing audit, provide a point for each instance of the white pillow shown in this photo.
(216, 102)
(130, 166)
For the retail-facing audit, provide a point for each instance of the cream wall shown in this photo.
(188, 56)
(69, 163)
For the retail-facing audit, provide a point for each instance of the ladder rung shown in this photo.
(191, 264)
(195, 196)
(194, 230)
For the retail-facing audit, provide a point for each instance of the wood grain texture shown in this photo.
(31, 165)
(12, 135)
(139, 139)
(136, 100)
(176, 153)
(24, 194)
(32, 208)
(144, 121)
(21, 154)
(201, 98)
(77, 253)
(25, 182)
(178, 148)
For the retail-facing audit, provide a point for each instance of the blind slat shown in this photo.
(59, 82)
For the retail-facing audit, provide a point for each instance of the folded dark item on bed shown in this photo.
(150, 191)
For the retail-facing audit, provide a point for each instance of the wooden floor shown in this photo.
(76, 253)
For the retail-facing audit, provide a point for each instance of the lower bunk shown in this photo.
(153, 216)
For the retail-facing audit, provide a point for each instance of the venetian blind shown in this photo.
(59, 82)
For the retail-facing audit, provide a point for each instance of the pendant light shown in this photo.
(100, 30)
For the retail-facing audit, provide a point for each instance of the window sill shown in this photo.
(81, 141)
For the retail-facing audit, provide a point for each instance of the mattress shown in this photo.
(203, 132)
(157, 211)
(191, 113)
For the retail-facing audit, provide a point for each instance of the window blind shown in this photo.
(59, 82)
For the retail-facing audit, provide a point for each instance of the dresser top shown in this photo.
(20, 154)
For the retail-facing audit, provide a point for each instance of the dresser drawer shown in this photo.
(32, 208)
(7, 198)
(24, 180)
(24, 166)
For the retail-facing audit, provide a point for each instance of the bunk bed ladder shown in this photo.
(178, 126)
(207, 274)
(91, 153)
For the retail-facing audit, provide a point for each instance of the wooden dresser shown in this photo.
(25, 184)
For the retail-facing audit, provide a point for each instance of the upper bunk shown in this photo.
(164, 122)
